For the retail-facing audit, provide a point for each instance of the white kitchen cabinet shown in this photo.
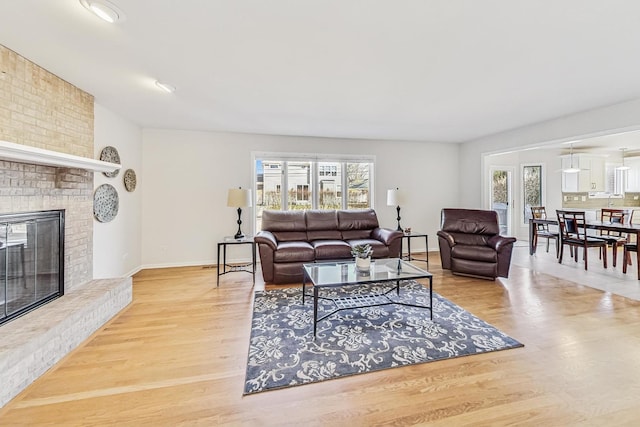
(591, 176)
(596, 173)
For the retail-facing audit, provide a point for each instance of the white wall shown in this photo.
(117, 244)
(187, 175)
(602, 121)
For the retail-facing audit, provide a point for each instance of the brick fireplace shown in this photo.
(38, 109)
(41, 110)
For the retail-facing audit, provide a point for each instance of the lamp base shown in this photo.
(239, 234)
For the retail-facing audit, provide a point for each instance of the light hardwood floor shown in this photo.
(177, 354)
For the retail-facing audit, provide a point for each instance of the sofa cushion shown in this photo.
(294, 252)
(356, 234)
(471, 239)
(474, 221)
(331, 249)
(290, 236)
(361, 219)
(380, 250)
(324, 235)
(284, 221)
(474, 253)
(321, 220)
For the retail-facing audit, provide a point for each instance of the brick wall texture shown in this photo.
(41, 110)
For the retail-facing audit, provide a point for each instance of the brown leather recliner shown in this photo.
(471, 245)
(291, 238)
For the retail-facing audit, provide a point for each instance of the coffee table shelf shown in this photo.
(359, 301)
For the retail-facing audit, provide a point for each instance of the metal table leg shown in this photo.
(315, 310)
(253, 250)
(218, 267)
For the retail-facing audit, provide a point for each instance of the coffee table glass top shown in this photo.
(344, 272)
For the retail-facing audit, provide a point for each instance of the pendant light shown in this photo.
(571, 168)
(623, 167)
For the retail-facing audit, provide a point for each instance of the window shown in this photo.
(268, 188)
(312, 182)
(531, 189)
(330, 185)
(302, 193)
(298, 180)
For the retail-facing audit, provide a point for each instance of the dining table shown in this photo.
(591, 225)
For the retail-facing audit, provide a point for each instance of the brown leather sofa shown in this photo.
(471, 245)
(291, 238)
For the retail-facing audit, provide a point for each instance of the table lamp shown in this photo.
(393, 199)
(239, 198)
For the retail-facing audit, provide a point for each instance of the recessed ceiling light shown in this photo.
(165, 86)
(104, 10)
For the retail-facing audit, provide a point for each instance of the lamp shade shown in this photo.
(393, 197)
(239, 198)
(571, 170)
(623, 167)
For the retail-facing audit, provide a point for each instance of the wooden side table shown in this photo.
(226, 268)
(408, 237)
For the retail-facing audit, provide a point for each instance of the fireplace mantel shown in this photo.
(33, 155)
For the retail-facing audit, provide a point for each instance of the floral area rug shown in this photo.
(284, 353)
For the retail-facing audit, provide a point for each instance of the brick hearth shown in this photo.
(33, 343)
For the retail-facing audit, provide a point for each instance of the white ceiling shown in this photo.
(447, 71)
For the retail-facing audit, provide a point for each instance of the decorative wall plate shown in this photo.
(105, 203)
(110, 154)
(130, 180)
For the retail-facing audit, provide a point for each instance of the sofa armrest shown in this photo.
(498, 242)
(447, 237)
(267, 238)
(386, 235)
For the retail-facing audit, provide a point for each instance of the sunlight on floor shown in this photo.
(609, 280)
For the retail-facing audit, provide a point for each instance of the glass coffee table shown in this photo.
(324, 275)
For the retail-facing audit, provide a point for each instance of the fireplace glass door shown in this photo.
(31, 261)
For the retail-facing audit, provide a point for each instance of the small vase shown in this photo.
(363, 264)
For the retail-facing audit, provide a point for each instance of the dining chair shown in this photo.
(626, 258)
(630, 246)
(574, 234)
(542, 230)
(612, 237)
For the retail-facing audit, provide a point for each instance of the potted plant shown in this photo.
(362, 253)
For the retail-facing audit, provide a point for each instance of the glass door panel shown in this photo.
(532, 189)
(501, 196)
(47, 253)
